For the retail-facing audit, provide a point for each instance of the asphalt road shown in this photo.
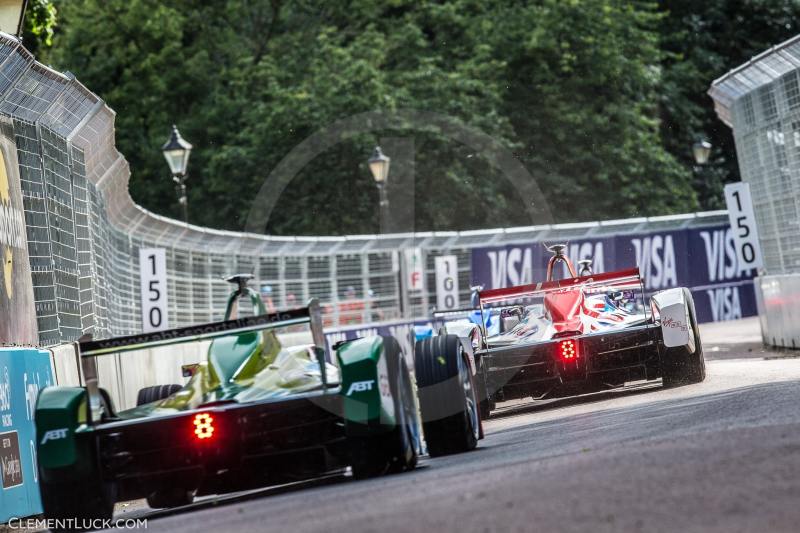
(722, 456)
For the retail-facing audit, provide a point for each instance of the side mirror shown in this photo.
(189, 370)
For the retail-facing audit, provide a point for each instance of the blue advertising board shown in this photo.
(702, 259)
(402, 330)
(23, 372)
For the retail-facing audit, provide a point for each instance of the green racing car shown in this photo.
(253, 413)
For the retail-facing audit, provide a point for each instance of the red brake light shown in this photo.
(203, 426)
(568, 349)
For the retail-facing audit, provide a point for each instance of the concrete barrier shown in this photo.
(778, 300)
(23, 372)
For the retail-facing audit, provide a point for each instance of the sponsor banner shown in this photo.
(23, 372)
(17, 312)
(702, 259)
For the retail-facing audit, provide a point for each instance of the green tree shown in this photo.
(583, 94)
(572, 87)
(39, 25)
(701, 42)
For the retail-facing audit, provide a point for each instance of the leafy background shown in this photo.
(599, 99)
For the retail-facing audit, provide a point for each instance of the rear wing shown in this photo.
(618, 278)
(88, 350)
(213, 330)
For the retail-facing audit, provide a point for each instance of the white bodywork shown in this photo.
(672, 310)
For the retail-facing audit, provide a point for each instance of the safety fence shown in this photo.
(84, 233)
(760, 100)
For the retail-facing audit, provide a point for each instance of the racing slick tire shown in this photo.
(171, 497)
(395, 451)
(91, 500)
(156, 393)
(448, 400)
(679, 366)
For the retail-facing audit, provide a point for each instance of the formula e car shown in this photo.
(254, 413)
(576, 335)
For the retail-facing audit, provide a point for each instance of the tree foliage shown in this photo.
(702, 41)
(39, 25)
(599, 99)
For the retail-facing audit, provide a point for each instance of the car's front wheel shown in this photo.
(156, 393)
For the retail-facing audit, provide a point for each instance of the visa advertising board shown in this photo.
(702, 259)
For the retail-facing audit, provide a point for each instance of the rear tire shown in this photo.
(448, 400)
(90, 500)
(679, 366)
(156, 393)
(172, 497)
(395, 451)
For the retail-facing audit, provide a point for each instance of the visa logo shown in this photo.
(721, 257)
(725, 303)
(655, 256)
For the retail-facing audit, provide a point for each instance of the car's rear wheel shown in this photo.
(448, 400)
(395, 450)
(679, 366)
(90, 500)
(170, 497)
(156, 393)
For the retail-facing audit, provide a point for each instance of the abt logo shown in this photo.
(55, 434)
(360, 386)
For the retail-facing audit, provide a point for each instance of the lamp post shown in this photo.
(379, 166)
(701, 150)
(176, 151)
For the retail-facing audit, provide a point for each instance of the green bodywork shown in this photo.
(243, 368)
(60, 413)
(365, 383)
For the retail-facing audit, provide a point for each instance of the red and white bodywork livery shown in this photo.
(579, 334)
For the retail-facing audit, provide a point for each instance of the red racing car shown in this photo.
(584, 333)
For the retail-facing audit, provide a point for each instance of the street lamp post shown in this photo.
(379, 166)
(176, 151)
(701, 151)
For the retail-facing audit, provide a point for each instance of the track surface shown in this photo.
(722, 456)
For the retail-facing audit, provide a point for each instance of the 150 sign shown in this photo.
(153, 285)
(743, 223)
